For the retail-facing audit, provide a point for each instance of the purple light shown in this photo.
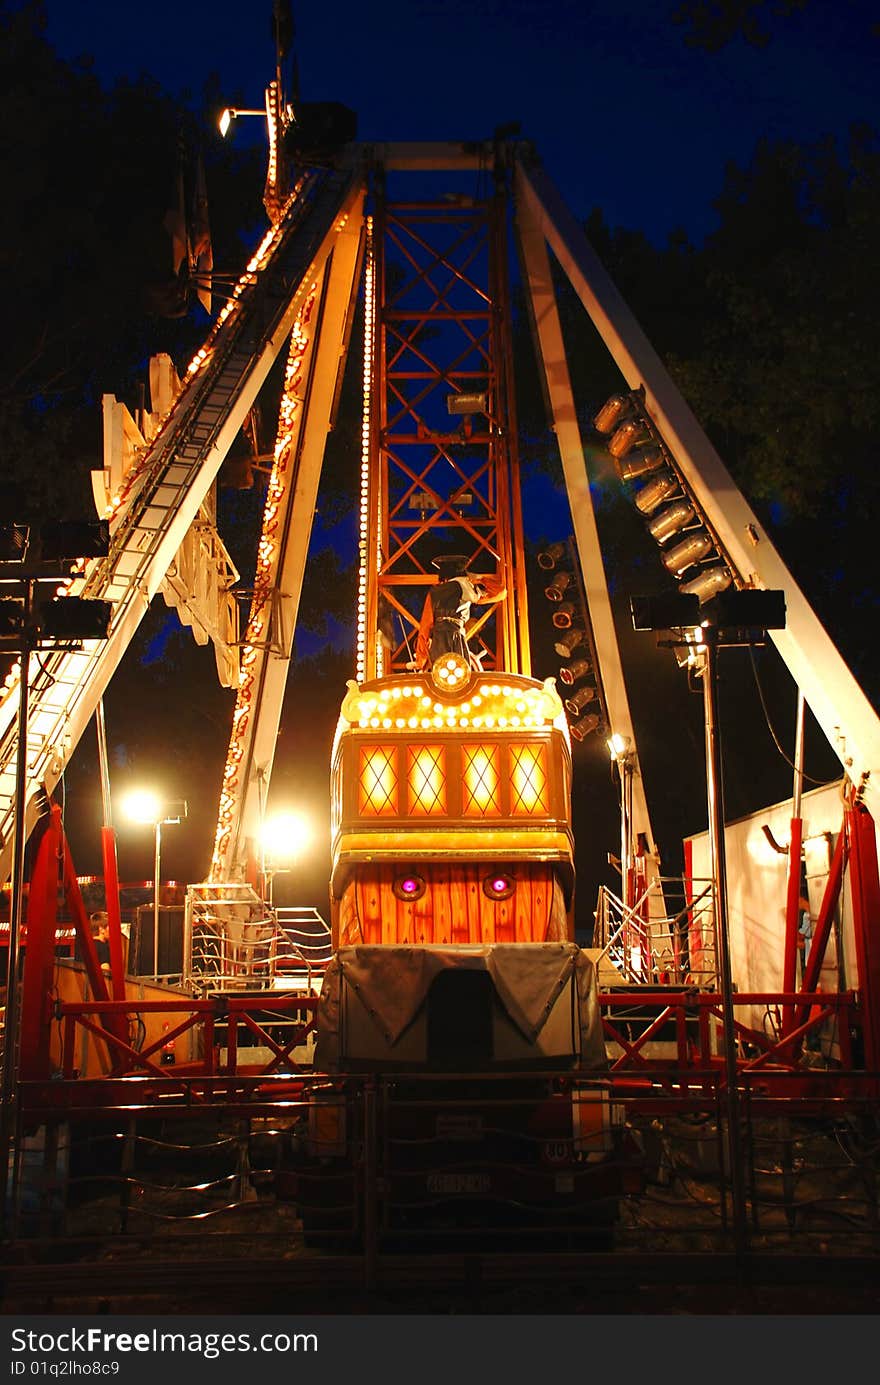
(409, 885)
(499, 884)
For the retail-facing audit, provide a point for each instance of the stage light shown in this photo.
(752, 607)
(692, 549)
(668, 522)
(613, 412)
(549, 557)
(14, 539)
(650, 496)
(570, 673)
(707, 584)
(641, 461)
(74, 538)
(558, 586)
(75, 618)
(565, 615)
(630, 434)
(11, 619)
(666, 611)
(566, 646)
(586, 726)
(574, 705)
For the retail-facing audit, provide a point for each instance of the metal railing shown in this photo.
(666, 938)
(235, 941)
(424, 1162)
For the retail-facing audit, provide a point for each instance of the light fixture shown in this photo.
(75, 618)
(618, 745)
(74, 538)
(668, 522)
(557, 587)
(232, 113)
(692, 549)
(145, 807)
(650, 496)
(613, 412)
(641, 461)
(569, 642)
(570, 673)
(630, 434)
(467, 403)
(14, 539)
(549, 557)
(498, 886)
(574, 705)
(666, 611)
(409, 887)
(586, 726)
(285, 836)
(707, 584)
(565, 615)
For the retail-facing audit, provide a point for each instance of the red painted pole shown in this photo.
(865, 889)
(792, 918)
(39, 955)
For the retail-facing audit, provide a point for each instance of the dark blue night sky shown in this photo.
(625, 115)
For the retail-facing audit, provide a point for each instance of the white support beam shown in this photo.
(841, 708)
(294, 517)
(577, 484)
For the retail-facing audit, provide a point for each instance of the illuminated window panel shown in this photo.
(529, 790)
(377, 781)
(426, 780)
(480, 791)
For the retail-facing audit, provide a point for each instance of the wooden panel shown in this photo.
(454, 908)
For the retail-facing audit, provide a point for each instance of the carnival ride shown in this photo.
(452, 837)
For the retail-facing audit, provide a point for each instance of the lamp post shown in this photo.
(621, 752)
(145, 807)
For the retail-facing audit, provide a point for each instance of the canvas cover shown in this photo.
(392, 983)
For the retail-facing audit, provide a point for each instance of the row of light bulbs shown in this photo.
(642, 462)
(573, 644)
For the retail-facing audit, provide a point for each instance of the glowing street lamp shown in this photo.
(232, 113)
(283, 839)
(145, 807)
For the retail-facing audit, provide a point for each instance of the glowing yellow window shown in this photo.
(528, 780)
(426, 780)
(377, 781)
(480, 797)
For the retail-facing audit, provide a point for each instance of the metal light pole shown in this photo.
(718, 873)
(8, 1084)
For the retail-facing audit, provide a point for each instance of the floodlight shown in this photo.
(557, 587)
(692, 549)
(75, 618)
(570, 673)
(707, 584)
(654, 492)
(586, 726)
(549, 557)
(668, 522)
(613, 412)
(640, 461)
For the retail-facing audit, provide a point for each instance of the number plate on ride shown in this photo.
(459, 1184)
(457, 1125)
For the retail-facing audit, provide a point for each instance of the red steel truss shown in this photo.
(444, 480)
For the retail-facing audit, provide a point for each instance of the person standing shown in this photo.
(447, 609)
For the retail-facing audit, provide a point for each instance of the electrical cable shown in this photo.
(770, 727)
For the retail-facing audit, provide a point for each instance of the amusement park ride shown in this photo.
(452, 842)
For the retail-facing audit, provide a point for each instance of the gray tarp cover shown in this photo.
(392, 983)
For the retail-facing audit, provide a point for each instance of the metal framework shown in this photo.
(438, 335)
(441, 453)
